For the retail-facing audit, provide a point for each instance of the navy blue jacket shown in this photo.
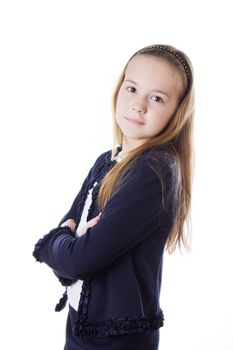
(120, 258)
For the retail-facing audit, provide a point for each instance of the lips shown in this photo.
(134, 121)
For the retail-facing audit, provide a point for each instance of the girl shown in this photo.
(108, 249)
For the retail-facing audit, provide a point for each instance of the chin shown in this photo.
(133, 136)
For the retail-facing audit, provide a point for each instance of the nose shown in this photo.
(139, 107)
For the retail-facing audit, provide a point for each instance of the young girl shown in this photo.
(108, 249)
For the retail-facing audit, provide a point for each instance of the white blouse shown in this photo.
(74, 290)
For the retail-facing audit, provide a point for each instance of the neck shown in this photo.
(130, 144)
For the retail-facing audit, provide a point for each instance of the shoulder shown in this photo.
(102, 159)
(155, 170)
(160, 160)
(101, 164)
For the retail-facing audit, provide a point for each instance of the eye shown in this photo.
(130, 87)
(157, 99)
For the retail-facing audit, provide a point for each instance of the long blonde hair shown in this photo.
(177, 134)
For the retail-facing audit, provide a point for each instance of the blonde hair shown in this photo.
(177, 135)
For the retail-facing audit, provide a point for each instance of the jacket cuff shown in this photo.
(66, 281)
(42, 241)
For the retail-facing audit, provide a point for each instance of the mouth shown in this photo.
(134, 121)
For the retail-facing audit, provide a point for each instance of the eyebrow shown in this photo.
(157, 90)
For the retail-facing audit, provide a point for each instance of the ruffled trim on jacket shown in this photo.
(108, 164)
(36, 253)
(47, 237)
(117, 326)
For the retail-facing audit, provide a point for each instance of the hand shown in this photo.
(91, 223)
(71, 223)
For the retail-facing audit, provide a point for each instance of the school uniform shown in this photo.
(117, 263)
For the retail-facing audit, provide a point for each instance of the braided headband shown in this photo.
(174, 53)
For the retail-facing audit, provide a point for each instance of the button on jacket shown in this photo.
(120, 258)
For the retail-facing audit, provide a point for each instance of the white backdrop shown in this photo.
(59, 63)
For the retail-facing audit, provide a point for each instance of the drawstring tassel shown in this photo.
(62, 302)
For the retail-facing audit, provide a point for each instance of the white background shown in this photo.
(59, 63)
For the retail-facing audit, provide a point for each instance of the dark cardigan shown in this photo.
(120, 258)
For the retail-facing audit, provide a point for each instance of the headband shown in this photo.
(174, 53)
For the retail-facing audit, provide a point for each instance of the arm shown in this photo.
(133, 213)
(70, 217)
(69, 221)
(71, 224)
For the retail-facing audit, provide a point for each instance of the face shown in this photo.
(147, 99)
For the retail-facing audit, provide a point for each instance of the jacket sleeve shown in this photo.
(132, 213)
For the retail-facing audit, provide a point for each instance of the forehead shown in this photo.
(153, 72)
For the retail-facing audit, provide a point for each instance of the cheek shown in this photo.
(118, 108)
(159, 118)
(120, 103)
(163, 122)
(123, 96)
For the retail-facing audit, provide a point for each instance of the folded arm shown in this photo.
(134, 212)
